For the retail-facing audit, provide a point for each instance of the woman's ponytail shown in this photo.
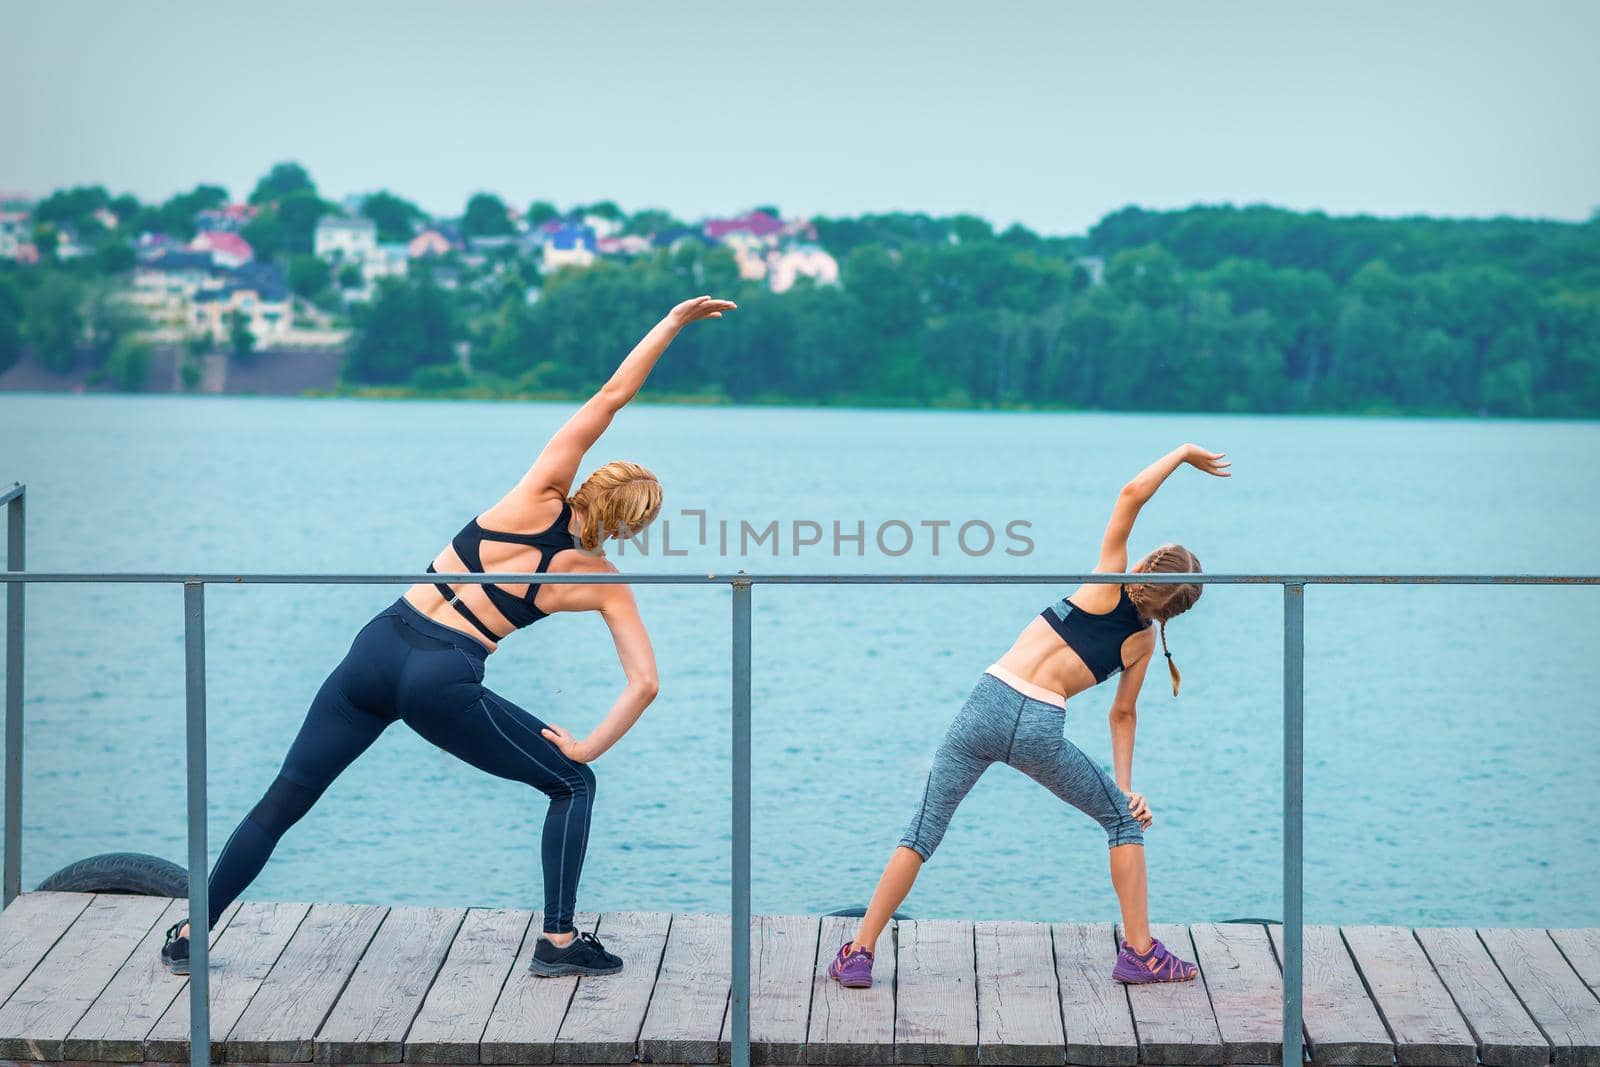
(1172, 667)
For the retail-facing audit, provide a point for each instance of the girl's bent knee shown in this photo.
(1124, 831)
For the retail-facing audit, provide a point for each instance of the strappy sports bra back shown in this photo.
(519, 611)
(1097, 639)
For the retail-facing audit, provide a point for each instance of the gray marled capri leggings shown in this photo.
(998, 724)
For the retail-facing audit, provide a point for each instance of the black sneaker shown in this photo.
(175, 953)
(582, 955)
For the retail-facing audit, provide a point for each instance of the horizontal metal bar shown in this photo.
(135, 578)
(8, 495)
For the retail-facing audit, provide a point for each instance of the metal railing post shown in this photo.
(741, 824)
(16, 560)
(194, 654)
(1294, 651)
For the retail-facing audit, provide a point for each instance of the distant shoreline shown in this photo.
(704, 400)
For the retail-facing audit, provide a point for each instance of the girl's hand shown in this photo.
(701, 307)
(575, 750)
(1200, 459)
(1140, 808)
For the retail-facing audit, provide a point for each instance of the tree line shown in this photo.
(1253, 309)
(1210, 308)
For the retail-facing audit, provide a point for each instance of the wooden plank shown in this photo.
(607, 1011)
(37, 1018)
(241, 957)
(1174, 1019)
(1094, 1009)
(281, 1021)
(689, 1004)
(936, 993)
(522, 1027)
(1342, 1026)
(1427, 1029)
(1565, 1008)
(453, 1015)
(1581, 946)
(1506, 1036)
(115, 1026)
(1246, 988)
(28, 928)
(1019, 1004)
(850, 1026)
(369, 1021)
(783, 957)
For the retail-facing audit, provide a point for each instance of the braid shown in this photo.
(1174, 600)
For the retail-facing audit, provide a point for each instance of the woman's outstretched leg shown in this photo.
(333, 734)
(893, 888)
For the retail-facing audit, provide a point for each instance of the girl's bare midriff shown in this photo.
(1040, 656)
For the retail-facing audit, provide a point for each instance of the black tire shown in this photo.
(132, 873)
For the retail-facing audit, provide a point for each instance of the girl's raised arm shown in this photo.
(1137, 493)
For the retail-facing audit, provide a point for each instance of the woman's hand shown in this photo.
(1200, 459)
(1139, 808)
(575, 750)
(701, 307)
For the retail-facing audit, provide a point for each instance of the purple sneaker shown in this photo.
(852, 969)
(1157, 965)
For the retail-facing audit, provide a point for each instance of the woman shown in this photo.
(421, 660)
(1015, 716)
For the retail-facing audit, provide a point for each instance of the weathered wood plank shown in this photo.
(851, 1026)
(282, 1019)
(242, 955)
(1427, 1029)
(783, 957)
(1174, 1019)
(369, 1021)
(451, 1021)
(1506, 1036)
(1246, 988)
(114, 1027)
(689, 1004)
(1342, 1026)
(28, 928)
(1581, 946)
(522, 1027)
(607, 1011)
(1565, 1008)
(37, 1018)
(936, 993)
(1019, 1004)
(1094, 1009)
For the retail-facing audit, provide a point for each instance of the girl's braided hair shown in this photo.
(1162, 602)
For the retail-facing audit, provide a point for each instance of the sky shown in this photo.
(1051, 114)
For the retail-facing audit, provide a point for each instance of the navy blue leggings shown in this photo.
(405, 666)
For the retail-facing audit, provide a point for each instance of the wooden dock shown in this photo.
(80, 980)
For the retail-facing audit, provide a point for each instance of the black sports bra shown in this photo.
(519, 611)
(1097, 639)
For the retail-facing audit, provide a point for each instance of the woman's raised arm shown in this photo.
(553, 472)
(1137, 493)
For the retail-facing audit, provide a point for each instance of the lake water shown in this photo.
(1452, 734)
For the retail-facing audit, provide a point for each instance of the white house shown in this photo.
(802, 261)
(345, 237)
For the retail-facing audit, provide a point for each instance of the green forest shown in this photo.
(1206, 309)
(1211, 308)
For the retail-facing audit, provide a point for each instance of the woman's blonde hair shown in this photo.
(617, 500)
(1162, 602)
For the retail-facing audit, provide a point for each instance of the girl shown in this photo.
(1015, 716)
(421, 660)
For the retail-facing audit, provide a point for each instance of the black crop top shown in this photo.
(1097, 639)
(519, 611)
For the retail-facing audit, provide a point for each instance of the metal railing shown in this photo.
(741, 584)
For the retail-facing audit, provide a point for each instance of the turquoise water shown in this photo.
(1452, 733)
